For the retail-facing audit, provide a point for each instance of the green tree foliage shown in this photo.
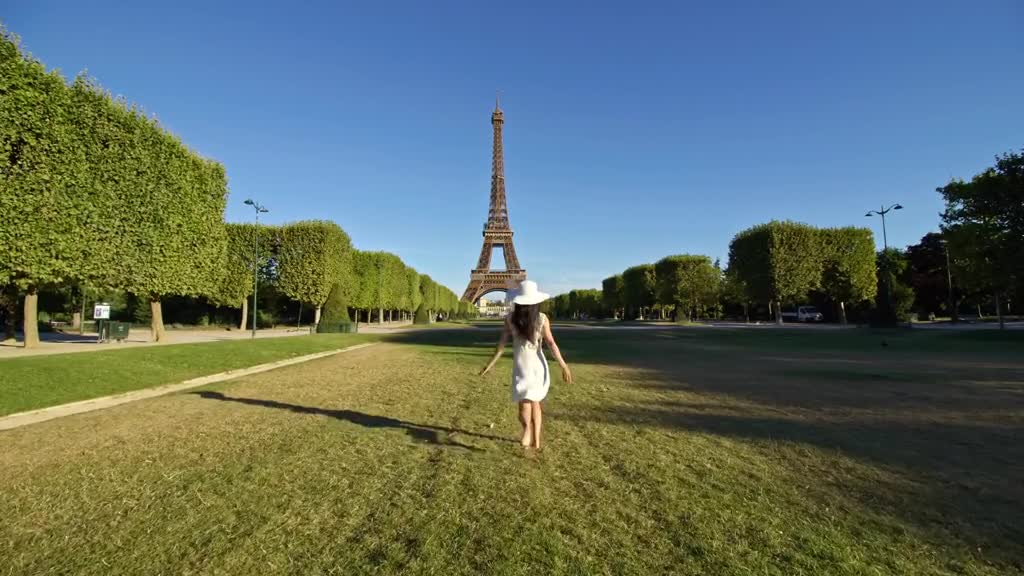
(335, 310)
(558, 307)
(638, 286)
(429, 291)
(611, 294)
(94, 192)
(412, 298)
(422, 315)
(734, 291)
(312, 258)
(778, 262)
(248, 246)
(41, 160)
(929, 276)
(895, 298)
(686, 282)
(984, 224)
(848, 266)
(583, 304)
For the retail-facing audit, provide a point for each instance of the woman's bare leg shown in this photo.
(538, 423)
(525, 418)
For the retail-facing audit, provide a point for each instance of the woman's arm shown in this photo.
(505, 333)
(553, 346)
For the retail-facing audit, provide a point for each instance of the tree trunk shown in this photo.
(980, 317)
(999, 312)
(380, 316)
(842, 312)
(76, 319)
(778, 313)
(245, 313)
(316, 316)
(746, 313)
(157, 323)
(31, 319)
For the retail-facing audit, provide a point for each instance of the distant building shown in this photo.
(492, 308)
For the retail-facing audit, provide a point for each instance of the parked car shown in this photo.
(802, 314)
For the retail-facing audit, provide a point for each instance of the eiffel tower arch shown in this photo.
(497, 230)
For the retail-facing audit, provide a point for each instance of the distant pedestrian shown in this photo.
(531, 379)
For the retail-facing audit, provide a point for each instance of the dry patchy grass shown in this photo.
(677, 451)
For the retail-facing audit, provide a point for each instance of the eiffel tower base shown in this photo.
(483, 283)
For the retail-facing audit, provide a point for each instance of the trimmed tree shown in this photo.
(41, 199)
(156, 228)
(313, 257)
(686, 282)
(428, 292)
(638, 286)
(611, 294)
(848, 267)
(236, 282)
(777, 262)
(335, 310)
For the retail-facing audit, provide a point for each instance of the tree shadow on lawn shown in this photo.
(963, 481)
(951, 433)
(437, 435)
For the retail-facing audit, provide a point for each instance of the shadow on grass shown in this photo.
(940, 410)
(437, 435)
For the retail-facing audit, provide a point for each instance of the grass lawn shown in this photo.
(39, 381)
(687, 451)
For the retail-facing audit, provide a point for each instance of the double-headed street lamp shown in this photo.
(885, 244)
(260, 209)
(882, 213)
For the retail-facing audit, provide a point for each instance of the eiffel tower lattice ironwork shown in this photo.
(497, 230)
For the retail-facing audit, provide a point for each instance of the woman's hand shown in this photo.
(566, 374)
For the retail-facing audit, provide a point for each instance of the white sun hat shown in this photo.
(528, 294)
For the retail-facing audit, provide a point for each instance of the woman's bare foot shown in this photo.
(526, 441)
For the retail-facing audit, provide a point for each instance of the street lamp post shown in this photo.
(260, 209)
(885, 244)
(949, 284)
(882, 213)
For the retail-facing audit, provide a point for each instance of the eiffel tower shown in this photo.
(497, 231)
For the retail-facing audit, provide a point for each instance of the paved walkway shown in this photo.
(43, 414)
(64, 343)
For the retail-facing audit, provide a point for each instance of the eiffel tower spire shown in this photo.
(497, 215)
(497, 229)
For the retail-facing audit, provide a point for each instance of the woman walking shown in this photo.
(529, 330)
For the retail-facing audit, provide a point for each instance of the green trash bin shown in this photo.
(118, 331)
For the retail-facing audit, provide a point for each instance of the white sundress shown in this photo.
(530, 375)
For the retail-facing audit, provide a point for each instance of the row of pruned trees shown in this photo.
(94, 192)
(314, 261)
(977, 260)
(96, 195)
(782, 263)
(777, 264)
(684, 286)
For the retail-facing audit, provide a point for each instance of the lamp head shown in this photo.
(249, 202)
(897, 207)
(869, 214)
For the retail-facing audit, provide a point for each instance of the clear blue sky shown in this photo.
(632, 132)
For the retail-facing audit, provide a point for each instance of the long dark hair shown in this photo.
(525, 319)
